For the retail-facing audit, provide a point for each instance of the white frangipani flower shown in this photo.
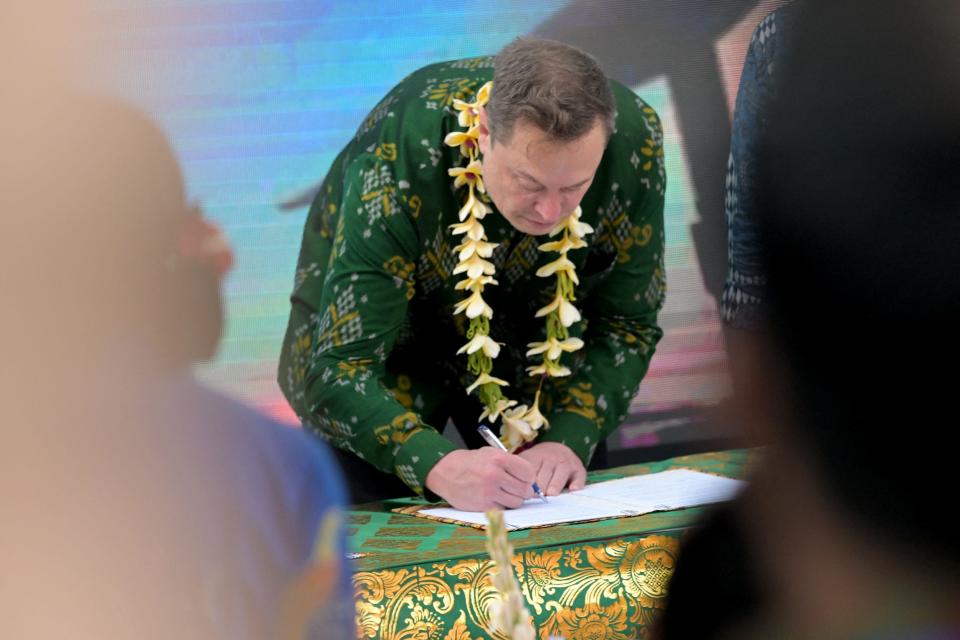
(563, 245)
(471, 227)
(470, 175)
(470, 247)
(514, 429)
(533, 417)
(580, 229)
(466, 140)
(553, 348)
(560, 264)
(489, 346)
(474, 206)
(474, 306)
(572, 224)
(486, 378)
(568, 312)
(474, 266)
(480, 209)
(502, 404)
(467, 114)
(549, 368)
(474, 284)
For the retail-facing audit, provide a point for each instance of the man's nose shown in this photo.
(549, 208)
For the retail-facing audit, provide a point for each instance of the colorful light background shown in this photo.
(259, 96)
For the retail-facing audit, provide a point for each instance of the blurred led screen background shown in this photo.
(259, 96)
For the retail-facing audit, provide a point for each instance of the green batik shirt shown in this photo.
(370, 351)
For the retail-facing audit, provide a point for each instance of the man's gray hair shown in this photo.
(556, 87)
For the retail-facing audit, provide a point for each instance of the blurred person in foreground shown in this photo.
(136, 503)
(844, 532)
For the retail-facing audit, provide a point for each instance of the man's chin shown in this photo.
(533, 228)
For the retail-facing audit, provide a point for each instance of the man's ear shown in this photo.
(484, 139)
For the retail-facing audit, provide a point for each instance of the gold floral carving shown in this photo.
(599, 591)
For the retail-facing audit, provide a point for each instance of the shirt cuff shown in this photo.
(417, 457)
(580, 434)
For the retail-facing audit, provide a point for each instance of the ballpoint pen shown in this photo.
(494, 441)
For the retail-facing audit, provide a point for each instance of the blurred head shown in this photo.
(45, 44)
(95, 213)
(543, 131)
(99, 307)
(861, 226)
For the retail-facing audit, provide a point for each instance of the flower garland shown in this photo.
(519, 423)
(508, 610)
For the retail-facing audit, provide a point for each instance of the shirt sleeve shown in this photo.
(741, 303)
(621, 311)
(362, 304)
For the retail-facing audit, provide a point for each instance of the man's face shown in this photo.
(536, 182)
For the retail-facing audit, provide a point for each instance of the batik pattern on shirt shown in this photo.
(370, 349)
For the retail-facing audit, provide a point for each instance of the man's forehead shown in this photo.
(570, 181)
(540, 159)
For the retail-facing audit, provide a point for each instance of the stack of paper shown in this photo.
(633, 496)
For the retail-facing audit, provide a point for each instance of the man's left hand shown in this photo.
(557, 466)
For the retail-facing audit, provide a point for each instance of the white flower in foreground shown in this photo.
(508, 608)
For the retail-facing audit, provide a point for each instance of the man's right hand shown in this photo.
(482, 479)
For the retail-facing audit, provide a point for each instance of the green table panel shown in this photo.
(421, 579)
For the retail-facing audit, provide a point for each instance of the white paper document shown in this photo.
(633, 496)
